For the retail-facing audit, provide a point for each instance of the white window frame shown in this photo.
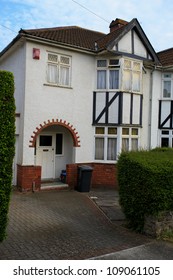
(130, 137)
(58, 65)
(107, 68)
(167, 79)
(106, 136)
(128, 85)
(167, 133)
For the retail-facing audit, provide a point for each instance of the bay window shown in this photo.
(132, 72)
(107, 74)
(130, 139)
(167, 85)
(105, 143)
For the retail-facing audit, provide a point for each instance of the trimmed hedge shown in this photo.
(7, 145)
(145, 184)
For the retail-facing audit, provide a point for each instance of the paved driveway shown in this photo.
(62, 225)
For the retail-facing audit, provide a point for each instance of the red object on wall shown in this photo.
(36, 53)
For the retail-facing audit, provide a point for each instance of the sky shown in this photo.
(154, 16)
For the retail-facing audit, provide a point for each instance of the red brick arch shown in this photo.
(71, 129)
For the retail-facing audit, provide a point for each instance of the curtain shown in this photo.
(125, 144)
(136, 81)
(127, 81)
(113, 79)
(101, 79)
(52, 74)
(111, 149)
(99, 148)
(167, 89)
(64, 76)
(134, 144)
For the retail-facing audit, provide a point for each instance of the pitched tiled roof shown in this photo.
(104, 41)
(71, 35)
(166, 57)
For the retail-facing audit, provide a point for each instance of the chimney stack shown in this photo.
(116, 24)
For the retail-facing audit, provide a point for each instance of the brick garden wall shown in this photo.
(103, 175)
(28, 178)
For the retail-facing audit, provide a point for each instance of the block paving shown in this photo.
(64, 224)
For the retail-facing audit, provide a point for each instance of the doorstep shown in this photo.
(45, 186)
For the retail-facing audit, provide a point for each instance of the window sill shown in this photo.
(57, 86)
(105, 161)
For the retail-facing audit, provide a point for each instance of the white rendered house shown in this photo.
(81, 98)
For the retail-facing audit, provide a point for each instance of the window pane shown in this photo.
(64, 76)
(127, 64)
(125, 131)
(113, 79)
(52, 74)
(111, 149)
(112, 130)
(59, 144)
(167, 89)
(165, 142)
(52, 57)
(136, 81)
(99, 148)
(136, 66)
(165, 132)
(101, 63)
(125, 144)
(65, 60)
(167, 75)
(45, 140)
(134, 131)
(134, 144)
(101, 79)
(127, 82)
(114, 62)
(100, 130)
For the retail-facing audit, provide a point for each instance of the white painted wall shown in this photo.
(43, 102)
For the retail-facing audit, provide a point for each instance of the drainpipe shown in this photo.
(150, 106)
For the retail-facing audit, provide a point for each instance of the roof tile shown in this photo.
(166, 57)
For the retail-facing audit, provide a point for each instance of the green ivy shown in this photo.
(7, 145)
(145, 184)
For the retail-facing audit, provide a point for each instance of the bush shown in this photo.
(7, 142)
(145, 184)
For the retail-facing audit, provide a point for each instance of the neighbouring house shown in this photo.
(83, 96)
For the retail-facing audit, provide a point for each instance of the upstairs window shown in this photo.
(58, 69)
(132, 75)
(108, 74)
(167, 85)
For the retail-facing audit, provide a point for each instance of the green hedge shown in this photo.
(7, 144)
(145, 184)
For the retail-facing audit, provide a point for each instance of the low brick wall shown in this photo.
(28, 178)
(103, 175)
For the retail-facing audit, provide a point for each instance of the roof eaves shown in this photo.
(41, 39)
(17, 38)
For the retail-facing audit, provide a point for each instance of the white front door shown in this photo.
(45, 156)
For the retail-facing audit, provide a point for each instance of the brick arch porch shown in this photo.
(29, 176)
(72, 130)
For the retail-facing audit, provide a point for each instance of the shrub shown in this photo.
(145, 184)
(7, 141)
